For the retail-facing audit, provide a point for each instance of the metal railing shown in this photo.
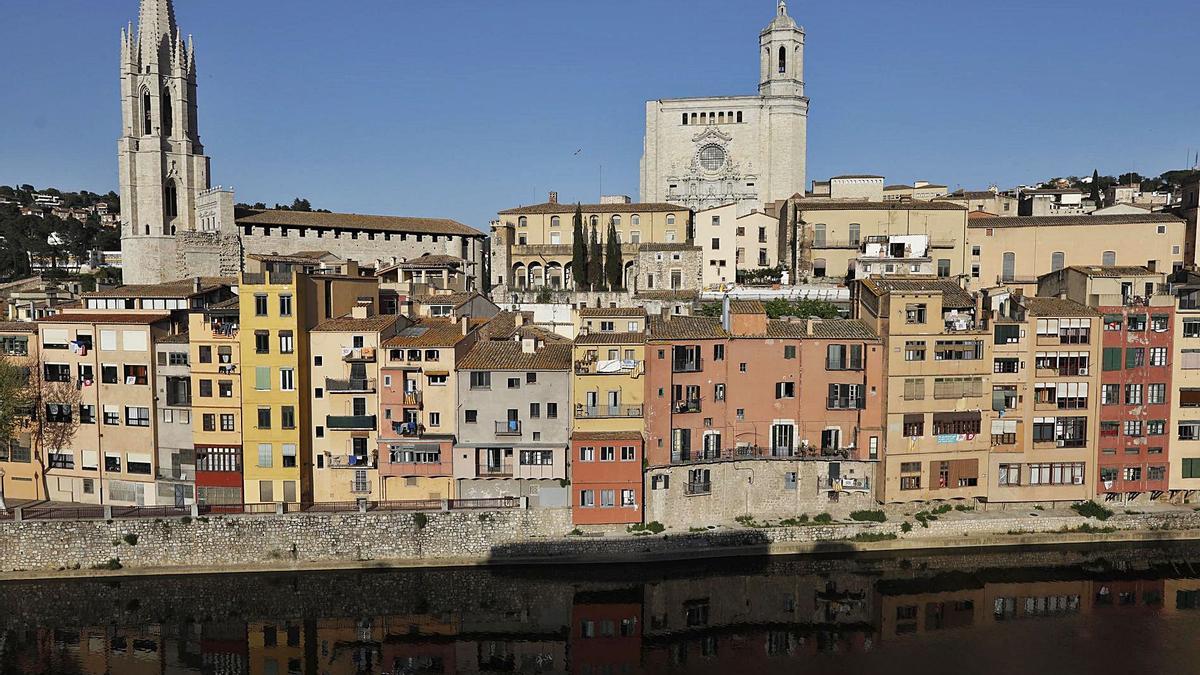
(607, 411)
(485, 469)
(508, 427)
(687, 365)
(354, 461)
(844, 403)
(346, 422)
(698, 488)
(413, 399)
(844, 483)
(690, 406)
(757, 452)
(358, 386)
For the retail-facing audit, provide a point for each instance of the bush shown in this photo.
(964, 507)
(112, 564)
(823, 519)
(869, 516)
(420, 520)
(1091, 509)
(874, 536)
(131, 539)
(944, 508)
(906, 527)
(652, 527)
(186, 520)
(575, 533)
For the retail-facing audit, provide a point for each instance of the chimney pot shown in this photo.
(553, 197)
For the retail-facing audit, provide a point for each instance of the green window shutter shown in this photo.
(1112, 358)
(262, 378)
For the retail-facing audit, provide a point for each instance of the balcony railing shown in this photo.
(369, 461)
(607, 367)
(487, 469)
(352, 386)
(844, 403)
(350, 422)
(698, 488)
(412, 399)
(687, 365)
(607, 411)
(508, 427)
(845, 483)
(359, 355)
(273, 277)
(408, 429)
(219, 329)
(689, 406)
(756, 452)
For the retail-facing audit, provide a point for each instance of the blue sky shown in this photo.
(458, 109)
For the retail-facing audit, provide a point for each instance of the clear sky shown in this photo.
(460, 108)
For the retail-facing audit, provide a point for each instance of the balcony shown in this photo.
(844, 403)
(607, 412)
(689, 406)
(274, 277)
(356, 386)
(836, 244)
(486, 469)
(350, 422)
(412, 399)
(508, 428)
(608, 367)
(698, 488)
(359, 355)
(408, 429)
(687, 365)
(845, 483)
(354, 461)
(756, 452)
(221, 330)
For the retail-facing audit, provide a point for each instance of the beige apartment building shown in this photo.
(1184, 425)
(1014, 251)
(1045, 394)
(829, 231)
(937, 358)
(100, 366)
(22, 465)
(991, 201)
(734, 241)
(532, 245)
(216, 372)
(346, 356)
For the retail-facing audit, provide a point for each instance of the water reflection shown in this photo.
(1063, 611)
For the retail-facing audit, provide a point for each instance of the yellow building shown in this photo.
(22, 472)
(216, 372)
(608, 379)
(345, 406)
(278, 307)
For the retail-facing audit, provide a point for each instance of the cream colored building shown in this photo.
(937, 362)
(704, 152)
(20, 460)
(1184, 474)
(734, 241)
(920, 191)
(991, 201)
(1014, 251)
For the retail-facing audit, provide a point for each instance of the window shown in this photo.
(608, 498)
(1133, 428)
(789, 351)
(840, 357)
(914, 425)
(718, 352)
(1158, 356)
(1156, 393)
(262, 342)
(136, 375)
(1006, 365)
(514, 383)
(264, 418)
(286, 344)
(112, 415)
(910, 475)
(785, 390)
(719, 391)
(1135, 357)
(535, 410)
(1136, 322)
(265, 456)
(471, 416)
(1110, 394)
(87, 414)
(587, 498)
(481, 379)
(289, 455)
(260, 305)
(943, 267)
(1160, 323)
(208, 421)
(1057, 473)
(914, 350)
(227, 423)
(957, 387)
(1191, 328)
(1133, 394)
(285, 305)
(1156, 427)
(957, 350)
(1009, 474)
(1057, 261)
(287, 417)
(1112, 358)
(1191, 468)
(1008, 267)
(845, 397)
(914, 389)
(587, 454)
(537, 457)
(914, 313)
(1108, 258)
(551, 411)
(57, 372)
(628, 453)
(608, 454)
(137, 417)
(287, 379)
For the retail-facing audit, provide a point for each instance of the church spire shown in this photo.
(156, 25)
(782, 7)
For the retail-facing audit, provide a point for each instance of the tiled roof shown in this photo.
(354, 221)
(18, 327)
(828, 204)
(685, 328)
(172, 289)
(502, 326)
(611, 339)
(299, 257)
(849, 329)
(746, 307)
(1054, 307)
(430, 260)
(606, 436)
(561, 208)
(980, 215)
(427, 333)
(114, 317)
(228, 303)
(508, 355)
(953, 295)
(667, 295)
(1036, 221)
(1112, 271)
(452, 299)
(371, 324)
(1053, 191)
(611, 311)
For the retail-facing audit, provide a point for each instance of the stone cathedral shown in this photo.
(749, 150)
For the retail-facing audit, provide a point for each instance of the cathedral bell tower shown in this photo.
(162, 164)
(781, 51)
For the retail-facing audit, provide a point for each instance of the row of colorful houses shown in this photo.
(288, 385)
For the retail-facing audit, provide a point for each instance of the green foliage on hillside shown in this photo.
(781, 308)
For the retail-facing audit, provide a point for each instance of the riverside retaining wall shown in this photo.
(390, 538)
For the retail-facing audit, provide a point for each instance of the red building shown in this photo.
(606, 477)
(1135, 378)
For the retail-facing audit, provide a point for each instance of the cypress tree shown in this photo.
(612, 260)
(579, 252)
(1096, 187)
(595, 263)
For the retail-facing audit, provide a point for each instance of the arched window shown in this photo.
(616, 221)
(1008, 269)
(147, 127)
(635, 219)
(783, 59)
(685, 118)
(1109, 258)
(171, 200)
(1057, 260)
(522, 221)
(819, 267)
(670, 218)
(168, 118)
(594, 221)
(739, 117)
(554, 221)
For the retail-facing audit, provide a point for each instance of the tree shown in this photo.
(595, 262)
(300, 204)
(14, 404)
(54, 416)
(613, 265)
(1096, 187)
(579, 251)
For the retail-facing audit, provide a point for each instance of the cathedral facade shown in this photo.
(748, 150)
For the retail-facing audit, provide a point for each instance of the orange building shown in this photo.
(606, 477)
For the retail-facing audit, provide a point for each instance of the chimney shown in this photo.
(810, 323)
(529, 345)
(553, 197)
(196, 285)
(725, 318)
(359, 312)
(465, 324)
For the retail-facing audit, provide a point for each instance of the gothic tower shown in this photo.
(162, 164)
(782, 56)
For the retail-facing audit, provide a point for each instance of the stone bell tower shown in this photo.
(163, 169)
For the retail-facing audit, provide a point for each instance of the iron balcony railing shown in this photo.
(698, 488)
(368, 461)
(488, 469)
(356, 386)
(757, 452)
(607, 411)
(408, 429)
(687, 365)
(688, 406)
(350, 422)
(508, 427)
(844, 483)
(844, 403)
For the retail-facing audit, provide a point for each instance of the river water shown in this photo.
(1073, 610)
